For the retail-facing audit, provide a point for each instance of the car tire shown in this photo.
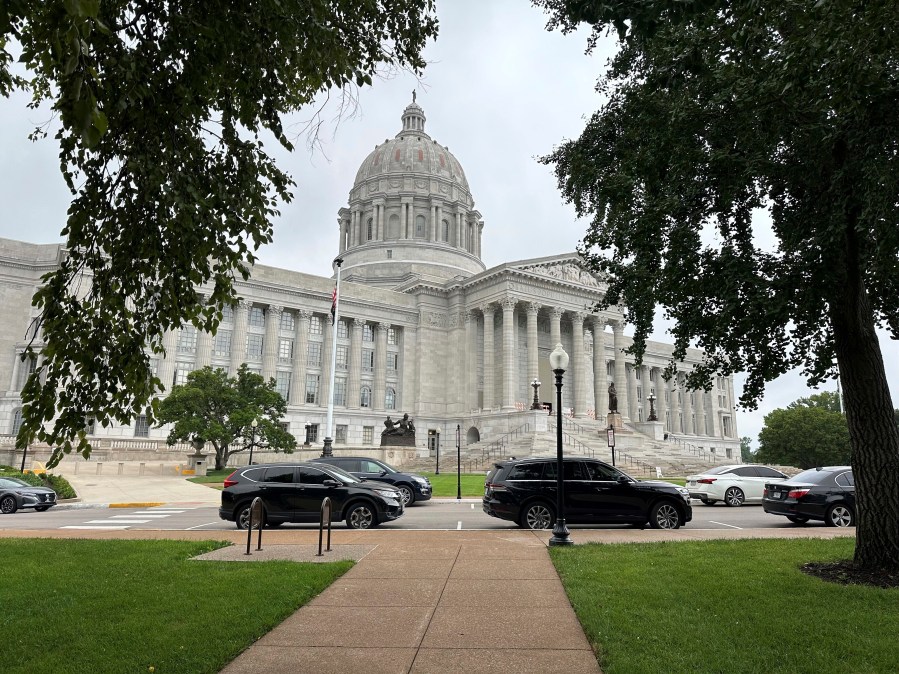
(361, 516)
(538, 515)
(839, 515)
(273, 525)
(243, 517)
(665, 515)
(8, 505)
(708, 501)
(734, 497)
(407, 494)
(41, 509)
(796, 519)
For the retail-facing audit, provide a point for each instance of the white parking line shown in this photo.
(725, 525)
(472, 505)
(118, 521)
(458, 526)
(146, 514)
(94, 528)
(200, 526)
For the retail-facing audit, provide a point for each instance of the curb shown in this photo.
(137, 504)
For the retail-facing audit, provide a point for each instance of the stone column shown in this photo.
(439, 211)
(555, 327)
(270, 341)
(380, 367)
(16, 364)
(327, 340)
(533, 350)
(600, 374)
(407, 225)
(380, 235)
(478, 236)
(239, 336)
(471, 358)
(204, 349)
(661, 386)
(620, 374)
(579, 366)
(167, 364)
(700, 413)
(489, 394)
(355, 356)
(509, 360)
(630, 373)
(674, 390)
(716, 410)
(645, 385)
(300, 349)
(688, 411)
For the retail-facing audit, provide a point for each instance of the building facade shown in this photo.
(424, 327)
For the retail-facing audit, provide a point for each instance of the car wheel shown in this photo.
(273, 525)
(839, 515)
(664, 515)
(41, 509)
(797, 519)
(538, 516)
(734, 497)
(708, 501)
(243, 517)
(361, 516)
(407, 494)
(8, 505)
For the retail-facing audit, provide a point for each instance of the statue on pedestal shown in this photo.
(400, 432)
(613, 399)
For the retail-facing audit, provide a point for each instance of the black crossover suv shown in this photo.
(294, 492)
(816, 494)
(412, 487)
(524, 491)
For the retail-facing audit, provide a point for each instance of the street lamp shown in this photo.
(652, 410)
(558, 361)
(458, 462)
(254, 424)
(536, 385)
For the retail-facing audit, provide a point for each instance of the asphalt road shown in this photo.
(432, 515)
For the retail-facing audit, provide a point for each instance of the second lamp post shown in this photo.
(558, 361)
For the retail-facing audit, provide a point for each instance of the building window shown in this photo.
(368, 432)
(254, 346)
(181, 372)
(389, 254)
(391, 336)
(343, 330)
(368, 360)
(141, 427)
(365, 397)
(256, 317)
(314, 353)
(420, 227)
(26, 367)
(390, 399)
(227, 314)
(90, 425)
(222, 344)
(287, 321)
(282, 384)
(445, 231)
(393, 361)
(340, 392)
(312, 433)
(368, 333)
(342, 353)
(285, 349)
(315, 325)
(340, 434)
(187, 340)
(369, 230)
(312, 381)
(16, 421)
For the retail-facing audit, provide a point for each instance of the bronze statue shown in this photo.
(613, 399)
(402, 427)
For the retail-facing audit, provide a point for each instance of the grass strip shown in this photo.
(727, 606)
(126, 606)
(444, 485)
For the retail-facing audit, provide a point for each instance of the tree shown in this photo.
(827, 400)
(804, 436)
(221, 409)
(163, 106)
(746, 455)
(743, 175)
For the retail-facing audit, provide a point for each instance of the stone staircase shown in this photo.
(636, 453)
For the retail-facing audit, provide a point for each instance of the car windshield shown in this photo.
(340, 474)
(13, 482)
(718, 470)
(812, 476)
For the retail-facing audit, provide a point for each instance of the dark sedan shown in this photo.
(16, 494)
(413, 487)
(826, 494)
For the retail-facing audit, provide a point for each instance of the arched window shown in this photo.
(393, 226)
(369, 229)
(445, 231)
(420, 227)
(365, 397)
(390, 399)
(16, 421)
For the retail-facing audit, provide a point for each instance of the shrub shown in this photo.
(56, 482)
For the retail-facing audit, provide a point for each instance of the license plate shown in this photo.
(692, 483)
(775, 494)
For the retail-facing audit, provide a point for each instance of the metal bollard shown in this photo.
(256, 516)
(140, 470)
(99, 467)
(121, 469)
(325, 516)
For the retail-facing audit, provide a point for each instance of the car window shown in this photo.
(283, 474)
(745, 471)
(370, 467)
(254, 474)
(764, 471)
(11, 482)
(601, 472)
(526, 471)
(573, 470)
(312, 475)
(846, 479)
(341, 475)
(718, 470)
(812, 476)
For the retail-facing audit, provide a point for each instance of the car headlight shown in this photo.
(421, 480)
(683, 492)
(388, 494)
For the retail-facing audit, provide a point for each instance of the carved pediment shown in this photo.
(564, 271)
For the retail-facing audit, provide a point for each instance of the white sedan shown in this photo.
(735, 485)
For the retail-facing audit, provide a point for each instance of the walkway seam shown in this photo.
(436, 606)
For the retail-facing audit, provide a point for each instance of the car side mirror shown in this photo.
(383, 473)
(622, 479)
(331, 483)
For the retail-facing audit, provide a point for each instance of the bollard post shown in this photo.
(76, 467)
(140, 470)
(325, 516)
(256, 515)
(99, 467)
(121, 468)
(161, 470)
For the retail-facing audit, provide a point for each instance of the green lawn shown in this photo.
(74, 606)
(727, 606)
(213, 476)
(446, 484)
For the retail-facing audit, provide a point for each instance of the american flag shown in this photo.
(334, 303)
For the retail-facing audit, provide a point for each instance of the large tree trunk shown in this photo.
(873, 434)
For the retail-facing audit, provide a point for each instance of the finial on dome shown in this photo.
(413, 95)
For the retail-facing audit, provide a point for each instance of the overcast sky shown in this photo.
(499, 91)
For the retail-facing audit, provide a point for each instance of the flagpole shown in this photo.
(335, 306)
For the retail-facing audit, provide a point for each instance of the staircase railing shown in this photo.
(700, 452)
(496, 448)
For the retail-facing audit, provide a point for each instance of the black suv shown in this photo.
(524, 491)
(294, 492)
(412, 487)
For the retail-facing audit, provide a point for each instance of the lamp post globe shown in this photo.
(558, 361)
(652, 410)
(254, 424)
(536, 385)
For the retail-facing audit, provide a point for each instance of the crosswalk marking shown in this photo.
(95, 528)
(126, 520)
(119, 522)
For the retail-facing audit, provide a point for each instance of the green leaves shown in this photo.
(804, 437)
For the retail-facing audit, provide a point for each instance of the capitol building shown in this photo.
(424, 328)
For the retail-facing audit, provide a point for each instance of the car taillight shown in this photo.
(707, 480)
(229, 482)
(765, 492)
(495, 486)
(797, 493)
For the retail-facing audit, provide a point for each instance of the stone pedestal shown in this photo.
(653, 429)
(407, 440)
(197, 463)
(614, 421)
